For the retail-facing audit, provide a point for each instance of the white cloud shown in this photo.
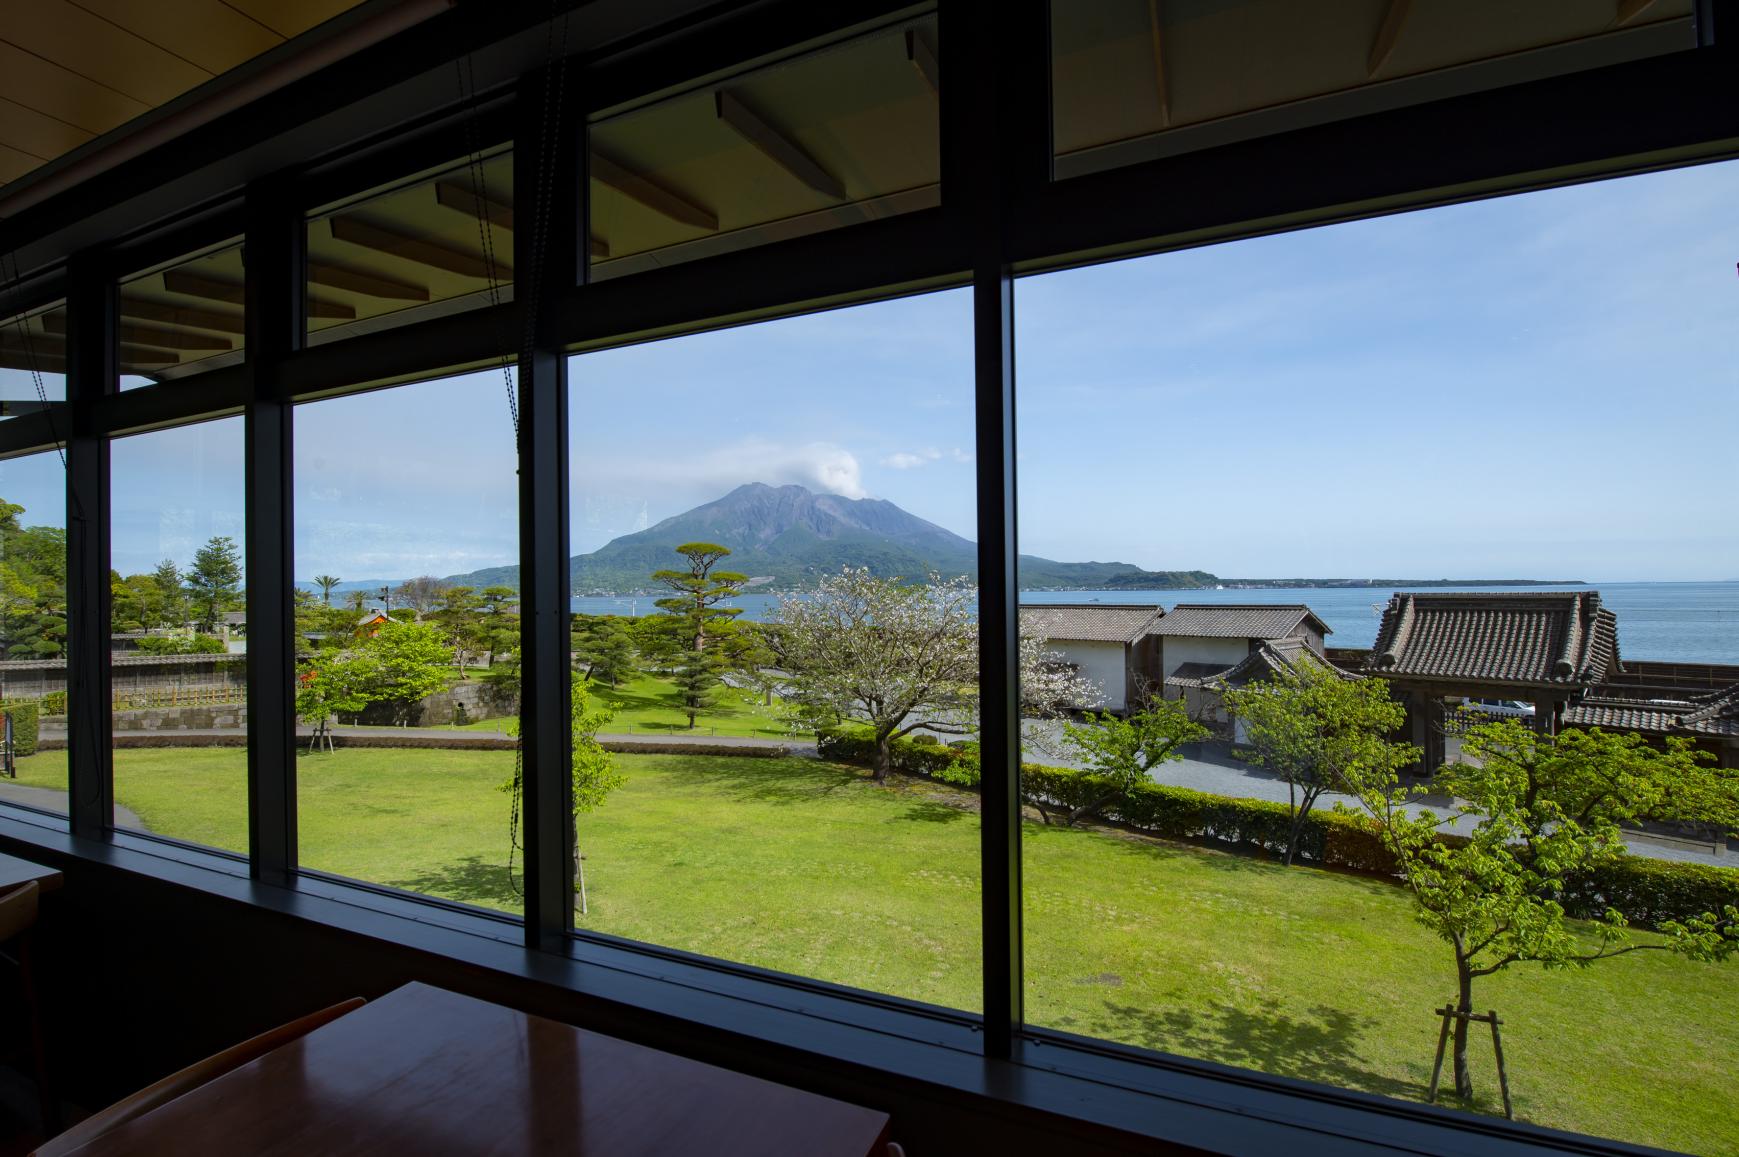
(691, 479)
(912, 459)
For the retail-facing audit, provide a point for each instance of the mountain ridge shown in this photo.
(789, 536)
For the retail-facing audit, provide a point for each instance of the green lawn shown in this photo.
(810, 868)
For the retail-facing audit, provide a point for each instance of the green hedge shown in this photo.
(54, 703)
(1648, 892)
(24, 715)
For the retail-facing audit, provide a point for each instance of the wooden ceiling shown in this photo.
(72, 70)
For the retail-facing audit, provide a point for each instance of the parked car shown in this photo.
(1510, 708)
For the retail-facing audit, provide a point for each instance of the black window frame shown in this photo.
(1002, 216)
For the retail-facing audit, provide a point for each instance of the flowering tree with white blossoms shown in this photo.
(902, 656)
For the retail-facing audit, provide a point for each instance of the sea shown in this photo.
(1660, 622)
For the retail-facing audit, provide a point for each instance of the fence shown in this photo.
(179, 697)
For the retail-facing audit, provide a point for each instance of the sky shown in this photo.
(1541, 386)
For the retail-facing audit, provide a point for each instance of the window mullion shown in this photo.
(274, 326)
(91, 369)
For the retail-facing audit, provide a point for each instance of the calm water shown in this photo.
(1666, 622)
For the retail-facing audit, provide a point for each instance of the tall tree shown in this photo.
(457, 617)
(326, 582)
(215, 579)
(695, 599)
(405, 662)
(169, 583)
(1546, 812)
(1317, 729)
(500, 627)
(423, 593)
(898, 656)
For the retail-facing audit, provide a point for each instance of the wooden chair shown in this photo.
(18, 909)
(190, 1078)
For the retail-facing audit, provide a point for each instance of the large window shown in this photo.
(407, 638)
(1391, 457)
(773, 533)
(34, 680)
(178, 634)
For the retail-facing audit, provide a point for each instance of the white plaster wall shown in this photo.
(1100, 663)
(1181, 649)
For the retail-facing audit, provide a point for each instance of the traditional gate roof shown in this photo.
(1562, 639)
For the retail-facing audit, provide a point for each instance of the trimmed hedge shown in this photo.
(54, 703)
(24, 725)
(1648, 892)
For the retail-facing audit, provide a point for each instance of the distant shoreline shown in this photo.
(1318, 584)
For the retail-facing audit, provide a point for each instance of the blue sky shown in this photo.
(1544, 386)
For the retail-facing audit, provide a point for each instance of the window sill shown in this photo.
(1201, 1105)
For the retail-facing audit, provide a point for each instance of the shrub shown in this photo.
(24, 720)
(1648, 892)
(182, 645)
(54, 703)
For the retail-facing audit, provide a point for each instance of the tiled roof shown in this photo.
(1562, 638)
(1712, 714)
(1271, 658)
(127, 659)
(1239, 620)
(1716, 714)
(1623, 714)
(1089, 622)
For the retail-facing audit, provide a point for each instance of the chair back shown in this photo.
(190, 1078)
(18, 909)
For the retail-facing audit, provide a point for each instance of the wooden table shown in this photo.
(426, 1071)
(14, 871)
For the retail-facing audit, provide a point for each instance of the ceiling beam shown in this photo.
(144, 355)
(196, 285)
(367, 284)
(1388, 33)
(417, 249)
(453, 195)
(923, 58)
(150, 335)
(230, 293)
(1162, 87)
(1629, 10)
(179, 315)
(651, 194)
(777, 147)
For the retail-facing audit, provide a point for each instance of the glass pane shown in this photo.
(183, 317)
(33, 360)
(407, 624)
(831, 456)
(845, 134)
(1133, 80)
(1454, 421)
(435, 244)
(178, 634)
(33, 675)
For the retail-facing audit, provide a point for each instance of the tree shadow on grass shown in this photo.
(470, 881)
(929, 811)
(1318, 1043)
(775, 781)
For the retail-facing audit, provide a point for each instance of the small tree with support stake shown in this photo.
(1548, 810)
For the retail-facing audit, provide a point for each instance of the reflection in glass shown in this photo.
(32, 360)
(183, 317)
(429, 246)
(1134, 80)
(844, 134)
